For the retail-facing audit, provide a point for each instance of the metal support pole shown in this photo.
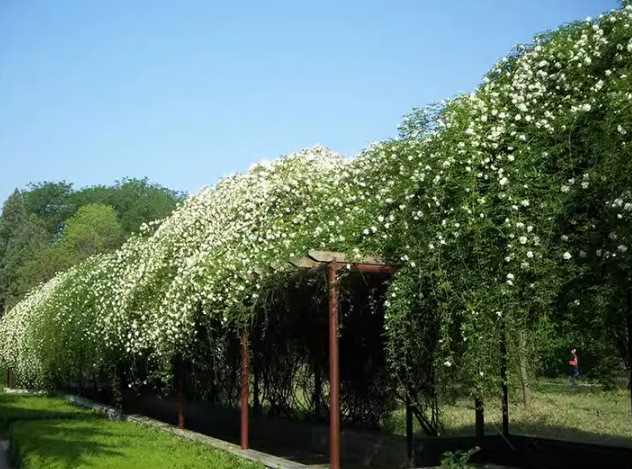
(409, 431)
(503, 376)
(334, 376)
(181, 394)
(244, 390)
(480, 421)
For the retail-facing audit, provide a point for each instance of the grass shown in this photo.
(585, 413)
(49, 433)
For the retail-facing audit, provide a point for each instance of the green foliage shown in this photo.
(135, 201)
(43, 244)
(92, 230)
(50, 202)
(458, 459)
(21, 234)
(48, 433)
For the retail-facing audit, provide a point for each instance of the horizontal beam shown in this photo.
(330, 256)
(304, 262)
(318, 260)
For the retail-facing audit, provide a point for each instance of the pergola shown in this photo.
(314, 262)
(332, 262)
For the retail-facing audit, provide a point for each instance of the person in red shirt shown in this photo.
(574, 363)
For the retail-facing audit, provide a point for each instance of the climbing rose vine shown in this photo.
(486, 203)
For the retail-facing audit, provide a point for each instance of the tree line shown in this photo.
(49, 227)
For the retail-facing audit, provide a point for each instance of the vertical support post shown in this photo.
(480, 421)
(334, 376)
(181, 393)
(244, 390)
(409, 431)
(503, 376)
(9, 378)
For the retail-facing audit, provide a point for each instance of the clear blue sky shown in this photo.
(186, 91)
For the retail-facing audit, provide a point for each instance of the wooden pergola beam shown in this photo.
(304, 262)
(330, 256)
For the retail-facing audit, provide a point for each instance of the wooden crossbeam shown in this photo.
(329, 256)
(304, 262)
(316, 260)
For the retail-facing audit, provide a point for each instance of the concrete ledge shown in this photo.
(267, 460)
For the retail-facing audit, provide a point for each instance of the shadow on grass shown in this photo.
(52, 437)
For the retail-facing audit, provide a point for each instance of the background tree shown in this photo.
(21, 234)
(51, 203)
(135, 201)
(92, 230)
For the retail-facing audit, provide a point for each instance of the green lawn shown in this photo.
(586, 413)
(48, 433)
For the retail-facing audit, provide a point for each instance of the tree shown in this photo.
(21, 233)
(135, 201)
(52, 203)
(92, 230)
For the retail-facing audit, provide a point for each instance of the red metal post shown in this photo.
(244, 390)
(181, 394)
(334, 376)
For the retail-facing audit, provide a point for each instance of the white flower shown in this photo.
(448, 363)
(585, 184)
(503, 181)
(523, 240)
(622, 248)
(530, 254)
(567, 255)
(565, 188)
(511, 276)
(621, 130)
